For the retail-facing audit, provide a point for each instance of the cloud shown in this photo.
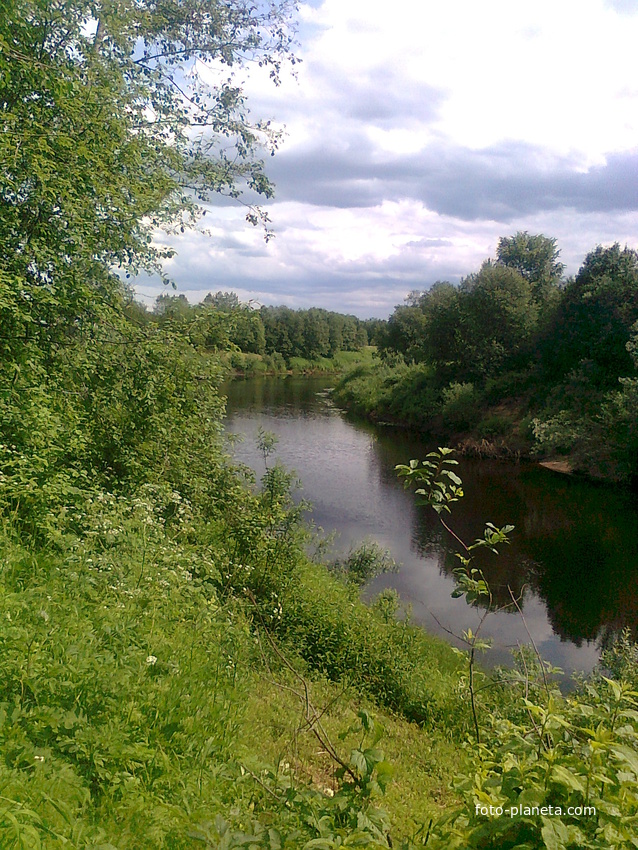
(500, 183)
(510, 180)
(379, 96)
(417, 136)
(623, 7)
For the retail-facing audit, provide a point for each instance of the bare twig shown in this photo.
(529, 634)
(453, 533)
(312, 715)
(263, 784)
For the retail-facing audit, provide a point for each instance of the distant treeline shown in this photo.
(518, 354)
(221, 321)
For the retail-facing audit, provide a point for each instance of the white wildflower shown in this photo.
(151, 659)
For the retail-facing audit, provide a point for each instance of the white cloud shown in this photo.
(420, 133)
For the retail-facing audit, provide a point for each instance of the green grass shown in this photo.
(423, 760)
(163, 686)
(340, 362)
(254, 365)
(398, 665)
(401, 393)
(137, 710)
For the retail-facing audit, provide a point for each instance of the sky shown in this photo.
(417, 133)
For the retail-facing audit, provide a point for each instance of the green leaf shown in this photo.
(561, 776)
(555, 834)
(627, 756)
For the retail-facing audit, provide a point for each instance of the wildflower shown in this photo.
(151, 659)
(38, 758)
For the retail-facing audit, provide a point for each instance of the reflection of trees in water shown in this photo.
(287, 396)
(427, 535)
(587, 596)
(574, 543)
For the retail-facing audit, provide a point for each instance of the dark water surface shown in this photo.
(573, 553)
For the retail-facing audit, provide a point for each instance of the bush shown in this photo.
(461, 408)
(364, 563)
(564, 777)
(493, 426)
(397, 664)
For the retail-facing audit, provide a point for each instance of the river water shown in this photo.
(573, 554)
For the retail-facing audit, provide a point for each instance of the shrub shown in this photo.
(493, 426)
(565, 777)
(461, 407)
(364, 563)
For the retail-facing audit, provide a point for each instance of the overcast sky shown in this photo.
(418, 133)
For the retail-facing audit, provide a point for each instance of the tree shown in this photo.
(336, 323)
(316, 334)
(535, 257)
(443, 340)
(425, 328)
(247, 330)
(110, 133)
(404, 333)
(174, 307)
(594, 321)
(498, 316)
(226, 301)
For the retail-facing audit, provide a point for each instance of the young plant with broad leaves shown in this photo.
(438, 486)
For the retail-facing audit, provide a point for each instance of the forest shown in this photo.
(258, 340)
(176, 671)
(517, 360)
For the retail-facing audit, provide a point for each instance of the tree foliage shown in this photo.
(497, 321)
(593, 323)
(535, 257)
(516, 359)
(109, 132)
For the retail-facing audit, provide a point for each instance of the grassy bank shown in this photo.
(171, 680)
(242, 364)
(147, 698)
(492, 418)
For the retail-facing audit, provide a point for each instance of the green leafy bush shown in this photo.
(566, 777)
(492, 426)
(364, 563)
(461, 406)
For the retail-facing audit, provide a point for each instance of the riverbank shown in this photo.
(241, 364)
(509, 417)
(478, 421)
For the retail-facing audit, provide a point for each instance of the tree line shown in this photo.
(222, 321)
(518, 311)
(517, 329)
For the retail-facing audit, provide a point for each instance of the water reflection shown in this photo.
(574, 552)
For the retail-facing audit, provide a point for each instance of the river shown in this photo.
(573, 554)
